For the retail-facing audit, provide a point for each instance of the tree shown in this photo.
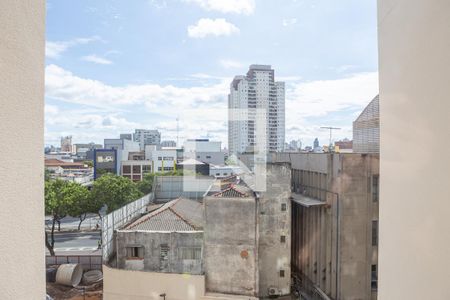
(79, 201)
(89, 163)
(114, 191)
(47, 174)
(146, 185)
(57, 205)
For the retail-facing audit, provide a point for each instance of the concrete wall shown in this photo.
(349, 208)
(22, 44)
(357, 210)
(211, 157)
(414, 68)
(151, 242)
(273, 222)
(135, 285)
(170, 187)
(230, 246)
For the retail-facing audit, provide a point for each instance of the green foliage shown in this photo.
(146, 185)
(56, 202)
(47, 174)
(114, 191)
(79, 200)
(89, 163)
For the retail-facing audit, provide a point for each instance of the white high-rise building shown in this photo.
(256, 96)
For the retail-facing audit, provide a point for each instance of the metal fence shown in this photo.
(117, 219)
(88, 262)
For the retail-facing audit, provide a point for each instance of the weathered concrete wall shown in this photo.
(230, 246)
(347, 183)
(151, 242)
(356, 215)
(134, 285)
(22, 45)
(274, 255)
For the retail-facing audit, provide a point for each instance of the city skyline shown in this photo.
(114, 73)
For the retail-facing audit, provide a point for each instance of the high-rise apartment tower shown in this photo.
(256, 96)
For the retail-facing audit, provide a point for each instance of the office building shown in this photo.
(126, 136)
(66, 144)
(366, 129)
(82, 151)
(147, 137)
(171, 144)
(256, 112)
(204, 150)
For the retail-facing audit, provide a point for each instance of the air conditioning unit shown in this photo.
(273, 291)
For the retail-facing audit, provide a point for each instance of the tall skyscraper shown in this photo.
(256, 96)
(147, 137)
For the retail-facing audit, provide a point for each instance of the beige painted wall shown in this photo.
(414, 250)
(135, 285)
(22, 43)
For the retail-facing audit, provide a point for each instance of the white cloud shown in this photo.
(289, 22)
(63, 85)
(245, 7)
(230, 64)
(201, 109)
(96, 59)
(321, 100)
(317, 98)
(214, 27)
(55, 49)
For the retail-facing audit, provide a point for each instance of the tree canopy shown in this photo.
(114, 191)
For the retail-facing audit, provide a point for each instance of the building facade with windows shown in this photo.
(256, 111)
(136, 169)
(147, 137)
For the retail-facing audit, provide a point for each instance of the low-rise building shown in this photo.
(136, 169)
(235, 242)
(168, 239)
(222, 171)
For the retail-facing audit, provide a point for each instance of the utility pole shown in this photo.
(331, 130)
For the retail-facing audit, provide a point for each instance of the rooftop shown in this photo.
(177, 215)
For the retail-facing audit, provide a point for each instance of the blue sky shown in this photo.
(113, 66)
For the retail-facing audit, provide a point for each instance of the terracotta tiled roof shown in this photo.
(231, 192)
(177, 215)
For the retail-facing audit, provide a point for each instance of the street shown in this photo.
(71, 223)
(76, 243)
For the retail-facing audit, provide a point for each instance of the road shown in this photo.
(76, 243)
(70, 223)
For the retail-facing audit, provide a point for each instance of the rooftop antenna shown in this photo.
(331, 130)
